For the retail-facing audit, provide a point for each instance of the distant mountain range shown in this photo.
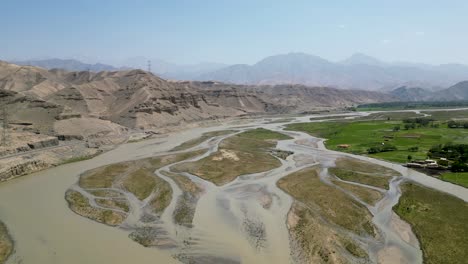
(162, 68)
(356, 72)
(171, 70)
(456, 92)
(68, 65)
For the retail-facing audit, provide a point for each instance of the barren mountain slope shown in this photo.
(289, 98)
(138, 99)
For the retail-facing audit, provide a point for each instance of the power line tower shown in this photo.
(5, 135)
(149, 66)
(89, 74)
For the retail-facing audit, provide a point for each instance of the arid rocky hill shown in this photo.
(60, 102)
(57, 116)
(457, 92)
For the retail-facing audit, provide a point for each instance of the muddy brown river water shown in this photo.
(243, 221)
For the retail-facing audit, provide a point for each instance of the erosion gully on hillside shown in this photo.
(257, 218)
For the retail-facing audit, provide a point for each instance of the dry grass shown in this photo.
(185, 208)
(203, 138)
(241, 154)
(353, 176)
(184, 183)
(163, 196)
(365, 167)
(334, 205)
(105, 193)
(358, 171)
(6, 243)
(140, 182)
(103, 177)
(159, 162)
(120, 204)
(80, 205)
(367, 195)
(136, 177)
(315, 241)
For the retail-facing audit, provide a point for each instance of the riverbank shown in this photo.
(439, 221)
(6, 244)
(243, 220)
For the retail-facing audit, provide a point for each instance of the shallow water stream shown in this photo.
(243, 221)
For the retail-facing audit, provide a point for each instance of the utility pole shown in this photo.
(89, 74)
(149, 66)
(5, 127)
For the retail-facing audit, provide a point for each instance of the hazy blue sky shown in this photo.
(236, 31)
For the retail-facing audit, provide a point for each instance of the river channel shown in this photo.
(232, 223)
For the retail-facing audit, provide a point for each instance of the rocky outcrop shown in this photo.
(48, 142)
(20, 142)
(30, 162)
(22, 168)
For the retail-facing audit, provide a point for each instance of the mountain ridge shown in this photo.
(359, 71)
(457, 92)
(136, 99)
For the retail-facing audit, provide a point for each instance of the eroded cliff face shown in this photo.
(98, 109)
(138, 99)
(23, 142)
(17, 168)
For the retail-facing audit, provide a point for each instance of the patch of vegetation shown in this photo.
(367, 195)
(136, 177)
(354, 170)
(243, 153)
(114, 204)
(329, 117)
(457, 154)
(263, 134)
(334, 205)
(439, 220)
(186, 204)
(146, 236)
(6, 243)
(103, 177)
(282, 120)
(365, 167)
(184, 211)
(79, 158)
(163, 196)
(360, 136)
(79, 204)
(140, 182)
(378, 148)
(353, 176)
(412, 123)
(185, 208)
(282, 154)
(460, 178)
(411, 105)
(159, 162)
(203, 138)
(457, 124)
(354, 249)
(105, 193)
(448, 115)
(314, 240)
(390, 116)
